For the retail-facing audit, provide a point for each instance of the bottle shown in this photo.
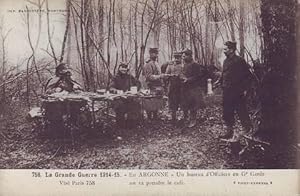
(209, 87)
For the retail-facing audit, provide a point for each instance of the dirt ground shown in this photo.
(153, 145)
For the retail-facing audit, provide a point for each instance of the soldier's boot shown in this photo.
(155, 115)
(185, 117)
(228, 134)
(193, 121)
(149, 115)
(174, 120)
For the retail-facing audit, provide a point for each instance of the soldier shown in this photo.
(154, 83)
(57, 111)
(128, 111)
(164, 67)
(174, 70)
(191, 85)
(62, 81)
(235, 81)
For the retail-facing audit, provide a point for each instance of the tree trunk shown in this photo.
(231, 20)
(241, 28)
(90, 51)
(278, 90)
(297, 88)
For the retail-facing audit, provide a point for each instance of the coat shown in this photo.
(124, 82)
(155, 84)
(174, 85)
(62, 83)
(192, 96)
(174, 81)
(236, 76)
(151, 73)
(128, 106)
(196, 75)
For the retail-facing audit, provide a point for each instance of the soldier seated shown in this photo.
(59, 114)
(128, 111)
(62, 81)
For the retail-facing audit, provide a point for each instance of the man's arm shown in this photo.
(196, 73)
(246, 76)
(113, 85)
(51, 86)
(148, 73)
(76, 86)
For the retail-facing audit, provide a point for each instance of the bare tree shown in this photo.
(4, 35)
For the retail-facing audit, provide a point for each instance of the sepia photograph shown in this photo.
(149, 84)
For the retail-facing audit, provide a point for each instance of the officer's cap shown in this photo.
(153, 50)
(177, 54)
(61, 66)
(230, 45)
(123, 65)
(187, 52)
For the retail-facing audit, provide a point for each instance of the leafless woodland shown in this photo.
(94, 36)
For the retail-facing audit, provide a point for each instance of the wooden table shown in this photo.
(91, 97)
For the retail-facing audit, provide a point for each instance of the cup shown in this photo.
(101, 91)
(133, 89)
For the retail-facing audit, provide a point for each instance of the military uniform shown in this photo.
(164, 67)
(151, 73)
(235, 80)
(128, 111)
(59, 113)
(154, 83)
(60, 84)
(174, 85)
(192, 91)
(192, 96)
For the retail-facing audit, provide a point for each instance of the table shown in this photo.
(91, 97)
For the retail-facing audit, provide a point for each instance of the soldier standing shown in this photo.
(235, 81)
(173, 72)
(154, 83)
(191, 82)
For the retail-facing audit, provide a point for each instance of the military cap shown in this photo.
(177, 54)
(187, 52)
(124, 65)
(230, 45)
(153, 50)
(61, 68)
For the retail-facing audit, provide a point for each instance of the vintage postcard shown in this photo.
(152, 97)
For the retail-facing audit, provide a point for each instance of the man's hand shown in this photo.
(58, 90)
(184, 80)
(216, 84)
(167, 76)
(164, 76)
(113, 90)
(155, 77)
(77, 87)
